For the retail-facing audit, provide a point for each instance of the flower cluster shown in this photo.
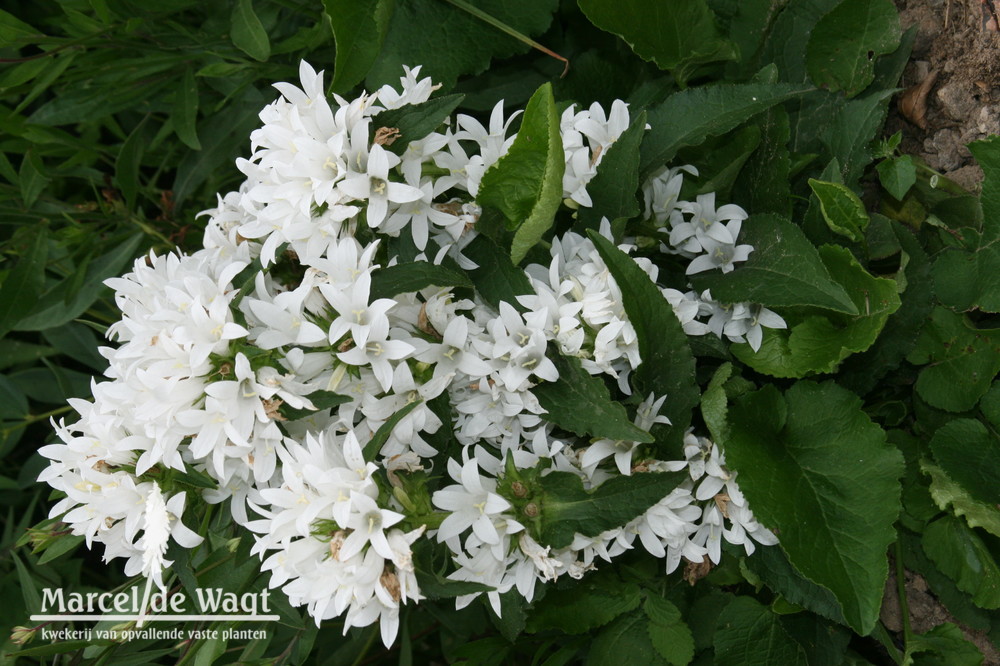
(325, 412)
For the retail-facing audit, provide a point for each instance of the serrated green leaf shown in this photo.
(824, 642)
(526, 183)
(676, 36)
(595, 600)
(771, 565)
(248, 33)
(667, 631)
(667, 366)
(582, 404)
(844, 44)
(359, 28)
(969, 454)
(989, 404)
(613, 189)
(862, 372)
(513, 615)
(184, 112)
(897, 175)
(763, 184)
(946, 642)
(961, 361)
(950, 496)
(625, 641)
(687, 117)
(409, 277)
(968, 279)
(749, 634)
(497, 279)
(819, 342)
(566, 508)
(962, 556)
(785, 269)
(24, 283)
(842, 209)
(837, 523)
(381, 436)
(415, 121)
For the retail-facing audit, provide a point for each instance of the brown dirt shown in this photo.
(958, 40)
(926, 612)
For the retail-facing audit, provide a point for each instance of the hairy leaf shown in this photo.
(815, 468)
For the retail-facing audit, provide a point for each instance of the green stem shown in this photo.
(367, 648)
(904, 605)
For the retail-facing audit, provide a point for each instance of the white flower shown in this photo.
(472, 503)
(375, 187)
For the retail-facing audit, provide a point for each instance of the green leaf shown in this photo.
(526, 183)
(626, 641)
(969, 454)
(863, 372)
(224, 134)
(409, 277)
(613, 189)
(897, 175)
(16, 352)
(471, 42)
(715, 404)
(320, 399)
(817, 470)
(950, 496)
(844, 44)
(667, 366)
(945, 641)
(687, 117)
(248, 33)
(581, 403)
(14, 31)
(962, 556)
(381, 436)
(77, 342)
(677, 36)
(32, 178)
(359, 28)
(184, 112)
(434, 586)
(962, 361)
(667, 631)
(513, 617)
(749, 634)
(128, 163)
(24, 283)
(849, 130)
(415, 121)
(52, 310)
(842, 209)
(497, 279)
(771, 565)
(820, 341)
(595, 600)
(29, 588)
(566, 508)
(785, 269)
(763, 184)
(13, 403)
(824, 642)
(970, 279)
(65, 544)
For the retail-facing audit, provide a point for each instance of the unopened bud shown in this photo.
(531, 510)
(519, 489)
(22, 635)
